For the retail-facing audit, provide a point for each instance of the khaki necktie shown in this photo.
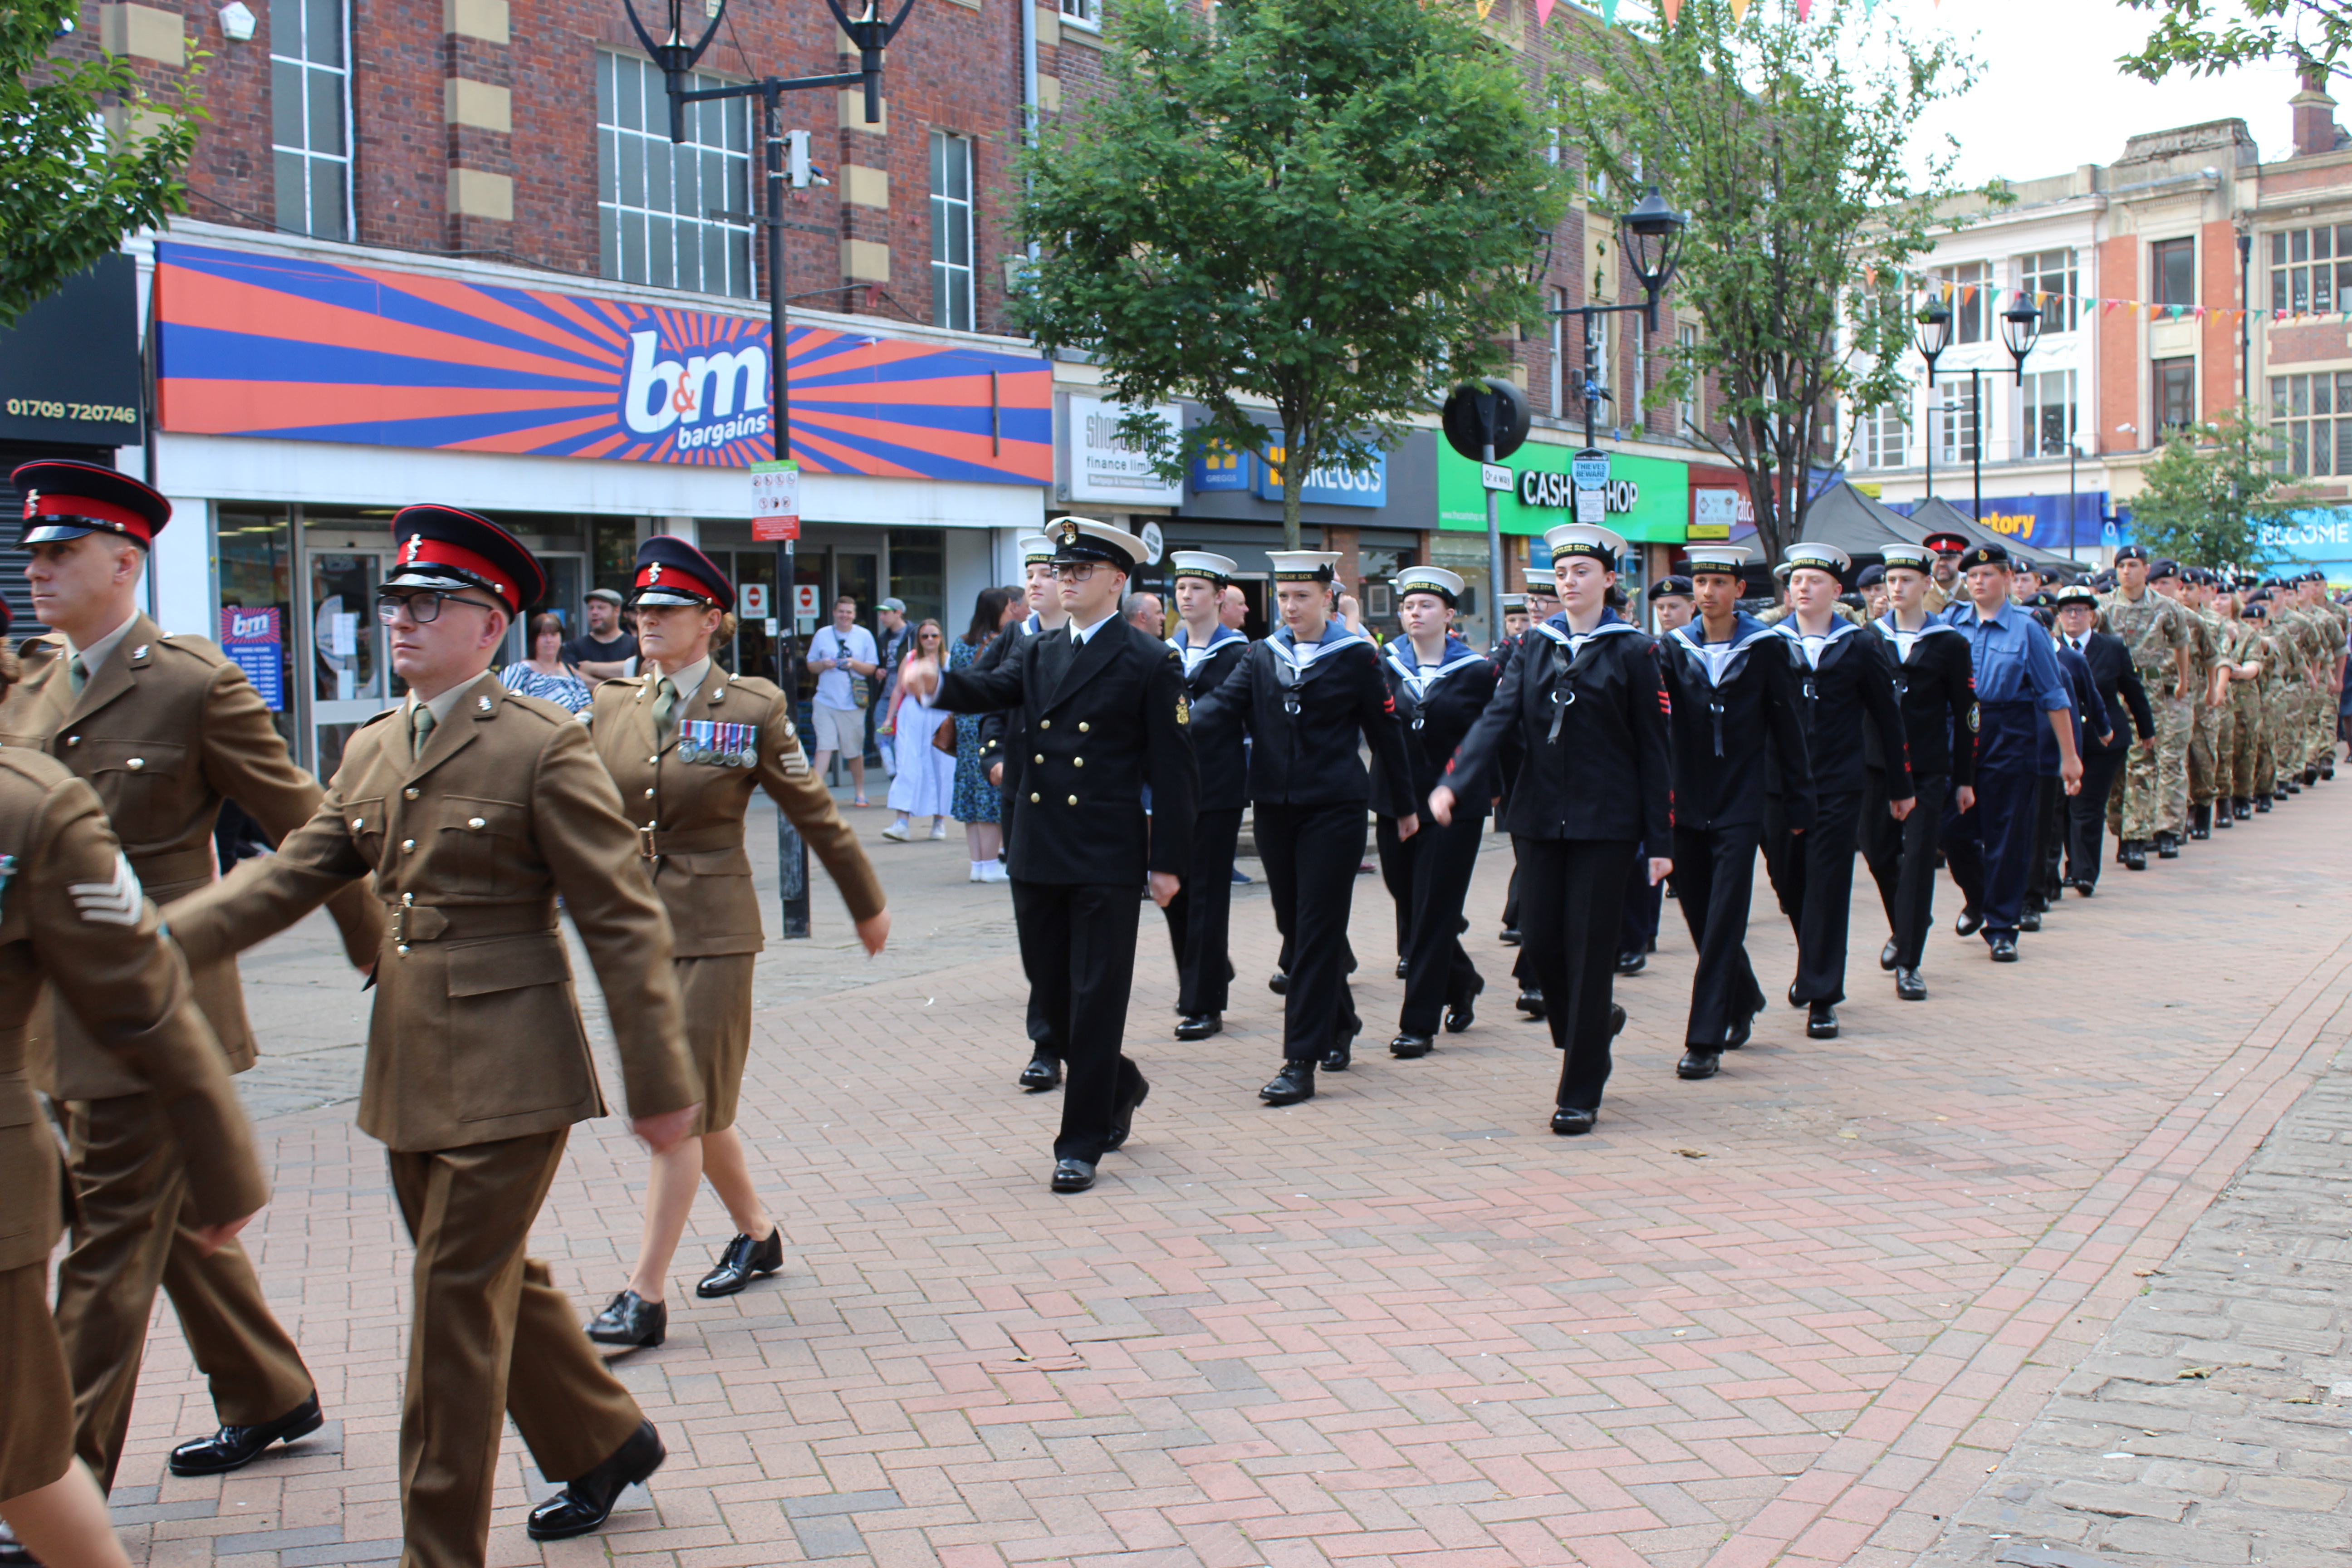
(77, 675)
(665, 707)
(420, 726)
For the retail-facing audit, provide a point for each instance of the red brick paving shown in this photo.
(1781, 1316)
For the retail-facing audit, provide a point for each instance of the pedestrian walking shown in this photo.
(166, 729)
(1199, 915)
(469, 810)
(1103, 715)
(844, 659)
(1582, 701)
(925, 783)
(687, 744)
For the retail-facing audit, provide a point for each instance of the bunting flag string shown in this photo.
(2048, 301)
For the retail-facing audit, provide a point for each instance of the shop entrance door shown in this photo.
(350, 675)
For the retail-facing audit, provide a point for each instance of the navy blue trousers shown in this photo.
(1991, 848)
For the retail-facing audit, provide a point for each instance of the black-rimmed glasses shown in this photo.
(422, 607)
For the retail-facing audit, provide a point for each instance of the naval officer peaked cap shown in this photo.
(1585, 539)
(1082, 539)
(2077, 594)
(1304, 565)
(1201, 563)
(444, 547)
(65, 500)
(1437, 580)
(672, 572)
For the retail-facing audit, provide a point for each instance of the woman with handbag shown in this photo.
(975, 803)
(925, 782)
(688, 743)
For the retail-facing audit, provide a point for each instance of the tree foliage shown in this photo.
(69, 190)
(2210, 491)
(1329, 206)
(1792, 162)
(2205, 39)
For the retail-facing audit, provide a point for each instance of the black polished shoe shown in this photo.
(1531, 1003)
(1122, 1120)
(1886, 954)
(2310, 777)
(2135, 854)
(1968, 922)
(743, 1261)
(1339, 1058)
(1909, 986)
(1820, 1021)
(1794, 1000)
(234, 1447)
(2004, 949)
(1697, 1064)
(2262, 802)
(1569, 1122)
(2222, 816)
(1633, 962)
(1401, 968)
(1735, 1032)
(1411, 1046)
(1294, 1083)
(2168, 846)
(585, 1504)
(1464, 1012)
(1200, 1026)
(2030, 920)
(1042, 1073)
(2243, 808)
(631, 1321)
(1072, 1175)
(1510, 937)
(1278, 983)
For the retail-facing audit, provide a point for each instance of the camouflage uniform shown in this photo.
(2281, 677)
(2331, 621)
(2151, 629)
(2243, 645)
(2204, 652)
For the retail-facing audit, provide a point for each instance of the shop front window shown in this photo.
(919, 572)
(256, 608)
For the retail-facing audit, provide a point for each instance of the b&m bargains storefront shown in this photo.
(1647, 501)
(304, 394)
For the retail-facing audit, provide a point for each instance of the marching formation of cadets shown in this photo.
(1940, 709)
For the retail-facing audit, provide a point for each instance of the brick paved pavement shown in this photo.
(1792, 1314)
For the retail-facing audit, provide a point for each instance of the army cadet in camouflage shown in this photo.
(2193, 801)
(2246, 647)
(2156, 630)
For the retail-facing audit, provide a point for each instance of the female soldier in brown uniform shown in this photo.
(71, 912)
(683, 742)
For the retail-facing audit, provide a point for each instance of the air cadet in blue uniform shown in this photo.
(2021, 692)
(1199, 915)
(1103, 715)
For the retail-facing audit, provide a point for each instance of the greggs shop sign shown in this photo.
(1645, 499)
(287, 348)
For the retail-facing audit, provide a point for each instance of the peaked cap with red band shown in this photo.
(1948, 544)
(442, 547)
(65, 500)
(672, 572)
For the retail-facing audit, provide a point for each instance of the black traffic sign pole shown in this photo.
(1487, 421)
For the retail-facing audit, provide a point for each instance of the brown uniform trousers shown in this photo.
(686, 794)
(72, 915)
(165, 730)
(478, 1064)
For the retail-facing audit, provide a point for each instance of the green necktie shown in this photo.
(664, 705)
(77, 675)
(420, 725)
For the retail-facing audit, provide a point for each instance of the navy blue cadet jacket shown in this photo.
(1728, 698)
(1851, 679)
(1438, 703)
(1303, 751)
(1224, 760)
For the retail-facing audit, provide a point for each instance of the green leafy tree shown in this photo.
(2205, 39)
(69, 190)
(1789, 143)
(1329, 206)
(2210, 491)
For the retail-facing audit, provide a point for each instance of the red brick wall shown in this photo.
(2218, 291)
(2120, 341)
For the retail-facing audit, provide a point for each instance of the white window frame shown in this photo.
(1955, 423)
(1087, 14)
(2063, 314)
(349, 216)
(615, 214)
(2033, 398)
(949, 210)
(1885, 437)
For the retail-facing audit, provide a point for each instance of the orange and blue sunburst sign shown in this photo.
(296, 350)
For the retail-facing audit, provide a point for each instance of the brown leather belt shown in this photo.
(411, 922)
(652, 843)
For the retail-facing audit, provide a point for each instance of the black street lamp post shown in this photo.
(676, 59)
(1649, 235)
(2021, 329)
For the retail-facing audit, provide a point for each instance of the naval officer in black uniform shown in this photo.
(1103, 714)
(1199, 915)
(1307, 694)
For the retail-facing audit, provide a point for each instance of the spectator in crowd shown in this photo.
(1145, 614)
(924, 785)
(605, 650)
(974, 802)
(897, 638)
(547, 673)
(1235, 610)
(843, 657)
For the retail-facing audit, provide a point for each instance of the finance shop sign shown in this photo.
(1645, 499)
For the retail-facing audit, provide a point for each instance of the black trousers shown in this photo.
(1077, 942)
(2086, 814)
(1715, 883)
(1990, 848)
(1434, 866)
(1571, 896)
(1311, 853)
(1200, 917)
(1637, 926)
(1902, 859)
(1812, 874)
(2042, 889)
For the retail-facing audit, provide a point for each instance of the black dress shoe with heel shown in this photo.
(1531, 1001)
(2030, 920)
(1401, 968)
(1409, 1047)
(1341, 1057)
(1820, 1021)
(234, 1447)
(1697, 1064)
(1122, 1120)
(1886, 954)
(1909, 986)
(585, 1504)
(1968, 922)
(2004, 949)
(631, 1321)
(1294, 1083)
(1510, 937)
(1735, 1034)
(1200, 1026)
(1464, 1012)
(1278, 983)
(1569, 1121)
(1042, 1073)
(743, 1261)
(1072, 1176)
(1633, 962)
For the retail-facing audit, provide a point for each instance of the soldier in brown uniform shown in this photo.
(164, 728)
(470, 808)
(72, 915)
(688, 742)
